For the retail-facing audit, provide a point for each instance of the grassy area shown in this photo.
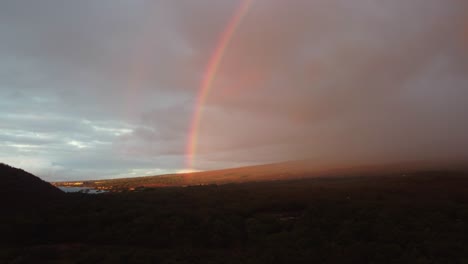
(417, 218)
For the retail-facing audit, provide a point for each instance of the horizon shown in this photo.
(104, 90)
(306, 166)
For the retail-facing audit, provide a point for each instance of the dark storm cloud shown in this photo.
(92, 89)
(352, 80)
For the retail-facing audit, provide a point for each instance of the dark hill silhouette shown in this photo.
(18, 186)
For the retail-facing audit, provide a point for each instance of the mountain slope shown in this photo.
(23, 186)
(268, 172)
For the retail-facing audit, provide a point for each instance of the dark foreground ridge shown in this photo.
(18, 187)
(419, 217)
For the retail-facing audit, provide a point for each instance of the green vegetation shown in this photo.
(417, 218)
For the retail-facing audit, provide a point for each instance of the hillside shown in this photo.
(269, 172)
(405, 218)
(22, 186)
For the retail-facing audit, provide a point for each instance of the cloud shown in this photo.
(343, 82)
(102, 89)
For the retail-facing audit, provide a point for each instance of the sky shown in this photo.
(102, 89)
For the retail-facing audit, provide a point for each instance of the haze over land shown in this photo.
(99, 89)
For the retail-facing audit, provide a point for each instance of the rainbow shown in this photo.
(210, 75)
